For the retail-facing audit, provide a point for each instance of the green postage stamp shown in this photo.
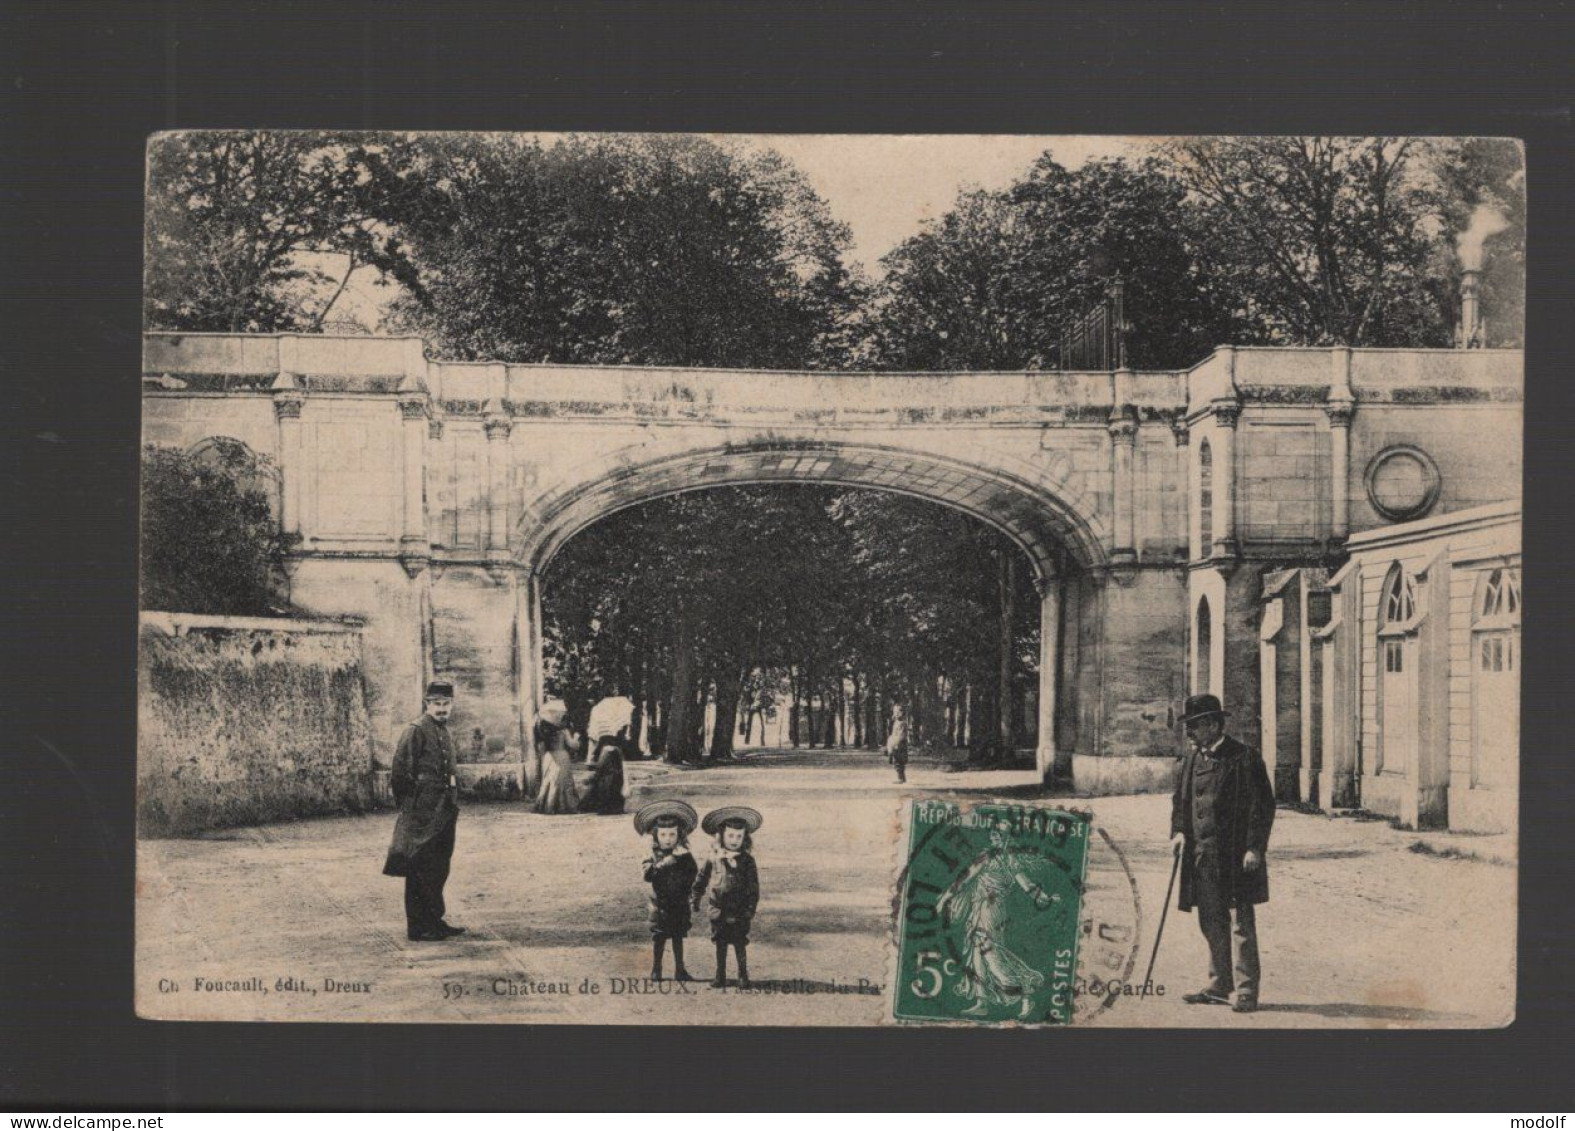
(990, 913)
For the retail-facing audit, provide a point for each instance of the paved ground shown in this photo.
(1363, 930)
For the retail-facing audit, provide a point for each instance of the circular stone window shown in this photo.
(1403, 482)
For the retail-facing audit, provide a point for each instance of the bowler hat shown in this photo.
(727, 814)
(440, 689)
(1202, 707)
(666, 813)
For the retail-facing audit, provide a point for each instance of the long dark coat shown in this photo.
(423, 782)
(1243, 807)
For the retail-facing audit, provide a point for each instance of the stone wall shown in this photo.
(243, 720)
(428, 497)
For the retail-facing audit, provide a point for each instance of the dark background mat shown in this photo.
(85, 83)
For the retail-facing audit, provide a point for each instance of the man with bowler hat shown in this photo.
(1220, 819)
(425, 785)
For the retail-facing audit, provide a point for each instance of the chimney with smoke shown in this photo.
(1486, 221)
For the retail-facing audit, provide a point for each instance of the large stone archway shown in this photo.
(1057, 539)
(427, 496)
(424, 496)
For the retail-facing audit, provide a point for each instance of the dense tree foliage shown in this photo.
(667, 250)
(995, 282)
(1296, 241)
(640, 250)
(835, 602)
(1322, 240)
(241, 227)
(210, 539)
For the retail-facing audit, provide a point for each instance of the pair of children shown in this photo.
(679, 885)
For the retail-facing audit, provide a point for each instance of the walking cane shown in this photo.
(1163, 911)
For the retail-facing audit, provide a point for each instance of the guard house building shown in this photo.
(1327, 538)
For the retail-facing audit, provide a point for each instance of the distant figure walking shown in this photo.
(426, 786)
(897, 741)
(558, 793)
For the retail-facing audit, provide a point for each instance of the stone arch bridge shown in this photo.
(428, 497)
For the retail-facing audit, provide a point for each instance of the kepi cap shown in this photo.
(440, 689)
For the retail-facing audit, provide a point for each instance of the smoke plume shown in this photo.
(1486, 222)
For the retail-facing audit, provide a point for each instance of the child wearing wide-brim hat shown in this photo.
(736, 891)
(670, 870)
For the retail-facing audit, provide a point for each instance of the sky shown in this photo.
(883, 186)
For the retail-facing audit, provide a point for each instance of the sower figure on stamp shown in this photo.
(1220, 819)
(426, 787)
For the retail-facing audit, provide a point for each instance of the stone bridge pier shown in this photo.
(428, 498)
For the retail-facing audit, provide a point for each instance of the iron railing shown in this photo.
(1098, 339)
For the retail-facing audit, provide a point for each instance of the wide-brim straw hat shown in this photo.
(682, 813)
(553, 711)
(716, 818)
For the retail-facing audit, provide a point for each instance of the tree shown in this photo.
(649, 250)
(243, 227)
(730, 595)
(210, 540)
(1322, 239)
(995, 281)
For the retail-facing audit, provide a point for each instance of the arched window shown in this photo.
(1495, 679)
(1397, 686)
(1203, 640)
(255, 473)
(1205, 499)
(1500, 599)
(1399, 606)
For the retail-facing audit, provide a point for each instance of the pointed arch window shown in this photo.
(1399, 618)
(1399, 601)
(1205, 499)
(1500, 600)
(1203, 642)
(1398, 686)
(1495, 679)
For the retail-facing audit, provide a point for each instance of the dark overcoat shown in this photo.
(672, 877)
(1235, 789)
(423, 782)
(734, 884)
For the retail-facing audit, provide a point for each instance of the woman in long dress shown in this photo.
(611, 721)
(557, 793)
(604, 792)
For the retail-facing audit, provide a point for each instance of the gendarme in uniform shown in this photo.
(425, 785)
